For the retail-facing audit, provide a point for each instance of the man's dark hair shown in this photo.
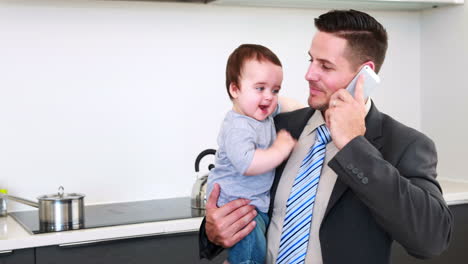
(240, 55)
(367, 38)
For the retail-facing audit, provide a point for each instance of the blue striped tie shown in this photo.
(300, 205)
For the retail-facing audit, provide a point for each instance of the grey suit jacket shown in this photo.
(385, 191)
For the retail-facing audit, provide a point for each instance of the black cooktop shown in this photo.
(113, 214)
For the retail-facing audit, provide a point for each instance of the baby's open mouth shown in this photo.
(263, 107)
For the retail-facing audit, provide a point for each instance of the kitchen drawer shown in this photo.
(17, 256)
(176, 248)
(457, 253)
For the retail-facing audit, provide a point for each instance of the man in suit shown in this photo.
(377, 184)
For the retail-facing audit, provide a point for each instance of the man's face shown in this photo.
(329, 69)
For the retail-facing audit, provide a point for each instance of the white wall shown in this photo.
(116, 99)
(444, 68)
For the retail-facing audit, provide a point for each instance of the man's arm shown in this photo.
(404, 197)
(288, 104)
(399, 186)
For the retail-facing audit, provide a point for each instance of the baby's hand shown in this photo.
(284, 142)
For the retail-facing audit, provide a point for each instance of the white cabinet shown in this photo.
(397, 5)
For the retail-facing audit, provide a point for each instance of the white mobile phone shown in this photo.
(371, 80)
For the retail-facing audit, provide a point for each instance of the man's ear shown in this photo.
(370, 64)
(234, 90)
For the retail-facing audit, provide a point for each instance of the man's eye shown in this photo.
(311, 59)
(326, 67)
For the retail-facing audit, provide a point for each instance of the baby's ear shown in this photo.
(234, 90)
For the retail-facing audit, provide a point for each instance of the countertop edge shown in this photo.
(456, 198)
(23, 239)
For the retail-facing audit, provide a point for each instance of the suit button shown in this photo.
(360, 175)
(355, 171)
(365, 180)
(350, 166)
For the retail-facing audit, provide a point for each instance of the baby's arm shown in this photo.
(267, 159)
(289, 104)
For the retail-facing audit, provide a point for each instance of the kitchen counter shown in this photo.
(14, 236)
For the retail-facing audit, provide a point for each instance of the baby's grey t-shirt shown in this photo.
(238, 139)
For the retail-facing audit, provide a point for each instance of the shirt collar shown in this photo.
(368, 105)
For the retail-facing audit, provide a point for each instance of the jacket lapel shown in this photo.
(373, 135)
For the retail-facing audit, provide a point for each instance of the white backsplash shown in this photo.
(116, 99)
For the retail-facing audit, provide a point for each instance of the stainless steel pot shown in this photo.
(57, 212)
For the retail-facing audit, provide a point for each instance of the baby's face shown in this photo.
(257, 96)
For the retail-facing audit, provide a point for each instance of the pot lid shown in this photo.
(60, 196)
(57, 197)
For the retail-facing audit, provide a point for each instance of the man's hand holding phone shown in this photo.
(346, 114)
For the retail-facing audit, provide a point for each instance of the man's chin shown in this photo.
(321, 106)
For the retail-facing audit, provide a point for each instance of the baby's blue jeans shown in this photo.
(251, 249)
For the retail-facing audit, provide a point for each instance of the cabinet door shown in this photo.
(178, 248)
(17, 256)
(457, 252)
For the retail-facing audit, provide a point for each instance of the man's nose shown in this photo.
(311, 74)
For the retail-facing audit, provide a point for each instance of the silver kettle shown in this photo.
(198, 199)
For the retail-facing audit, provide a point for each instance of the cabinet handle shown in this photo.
(6, 252)
(81, 244)
(93, 242)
